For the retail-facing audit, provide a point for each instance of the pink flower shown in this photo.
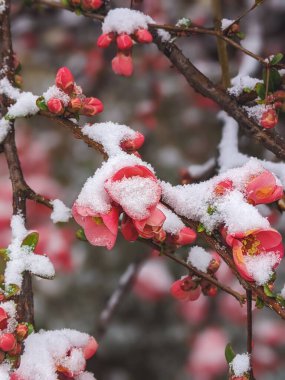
(223, 186)
(128, 229)
(263, 188)
(253, 243)
(105, 40)
(269, 119)
(91, 4)
(100, 229)
(55, 106)
(3, 319)
(90, 349)
(185, 289)
(151, 227)
(122, 64)
(64, 80)
(143, 36)
(133, 144)
(124, 41)
(184, 237)
(92, 106)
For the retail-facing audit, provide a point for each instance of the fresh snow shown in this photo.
(199, 258)
(172, 224)
(240, 364)
(261, 266)
(4, 129)
(55, 92)
(60, 213)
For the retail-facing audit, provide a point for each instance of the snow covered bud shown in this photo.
(105, 40)
(55, 106)
(90, 349)
(262, 188)
(91, 4)
(92, 106)
(3, 319)
(75, 104)
(269, 119)
(124, 41)
(100, 229)
(122, 64)
(22, 331)
(133, 144)
(185, 289)
(64, 80)
(185, 236)
(7, 342)
(222, 187)
(143, 36)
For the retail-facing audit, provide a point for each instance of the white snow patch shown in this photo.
(4, 129)
(55, 92)
(2, 9)
(241, 82)
(10, 308)
(240, 364)
(225, 23)
(199, 170)
(5, 367)
(256, 111)
(199, 258)
(7, 89)
(172, 224)
(24, 106)
(260, 267)
(61, 213)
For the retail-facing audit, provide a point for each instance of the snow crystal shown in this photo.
(199, 258)
(4, 129)
(21, 258)
(260, 267)
(225, 23)
(256, 111)
(110, 135)
(55, 92)
(135, 194)
(24, 106)
(241, 82)
(172, 224)
(184, 22)
(240, 364)
(193, 201)
(5, 367)
(2, 9)
(45, 349)
(124, 20)
(61, 213)
(7, 89)
(93, 193)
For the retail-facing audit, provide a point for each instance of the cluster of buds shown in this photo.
(11, 338)
(86, 5)
(189, 288)
(122, 64)
(275, 103)
(69, 99)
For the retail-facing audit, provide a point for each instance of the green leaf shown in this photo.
(260, 90)
(11, 290)
(276, 59)
(31, 240)
(247, 90)
(267, 291)
(31, 328)
(229, 353)
(240, 35)
(274, 81)
(259, 303)
(65, 3)
(4, 254)
(81, 235)
(41, 104)
(280, 299)
(211, 210)
(201, 227)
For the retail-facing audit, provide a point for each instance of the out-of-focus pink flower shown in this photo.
(100, 229)
(124, 41)
(143, 36)
(253, 243)
(184, 237)
(222, 187)
(194, 312)
(122, 64)
(64, 80)
(185, 289)
(133, 144)
(91, 4)
(105, 40)
(92, 106)
(90, 349)
(153, 280)
(55, 106)
(269, 119)
(263, 188)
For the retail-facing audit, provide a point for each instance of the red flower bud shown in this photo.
(222, 187)
(74, 3)
(92, 106)
(64, 80)
(185, 236)
(208, 289)
(105, 40)
(16, 350)
(122, 64)
(55, 106)
(91, 4)
(143, 36)
(75, 104)
(269, 119)
(90, 348)
(185, 289)
(22, 331)
(3, 319)
(15, 376)
(133, 144)
(7, 342)
(124, 42)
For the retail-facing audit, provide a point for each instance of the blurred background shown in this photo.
(152, 336)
